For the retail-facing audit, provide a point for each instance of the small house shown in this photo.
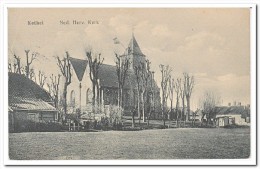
(28, 104)
(238, 115)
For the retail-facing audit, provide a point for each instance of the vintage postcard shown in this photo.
(130, 83)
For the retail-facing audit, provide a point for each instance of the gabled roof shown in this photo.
(79, 67)
(24, 93)
(133, 47)
(108, 77)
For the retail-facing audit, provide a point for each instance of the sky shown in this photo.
(212, 44)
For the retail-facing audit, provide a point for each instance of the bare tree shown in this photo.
(54, 88)
(122, 67)
(10, 67)
(171, 93)
(177, 90)
(151, 97)
(188, 88)
(133, 107)
(17, 65)
(41, 78)
(32, 75)
(182, 96)
(65, 68)
(166, 71)
(94, 65)
(138, 70)
(145, 76)
(208, 103)
(29, 61)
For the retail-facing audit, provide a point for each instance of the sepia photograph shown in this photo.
(129, 83)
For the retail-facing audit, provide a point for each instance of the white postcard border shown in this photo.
(249, 161)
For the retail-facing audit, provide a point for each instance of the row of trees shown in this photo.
(181, 87)
(27, 69)
(178, 89)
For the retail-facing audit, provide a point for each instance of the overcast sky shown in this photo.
(212, 44)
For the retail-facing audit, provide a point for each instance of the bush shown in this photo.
(32, 126)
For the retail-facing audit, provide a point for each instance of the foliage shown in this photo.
(32, 126)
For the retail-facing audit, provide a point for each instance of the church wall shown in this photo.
(73, 92)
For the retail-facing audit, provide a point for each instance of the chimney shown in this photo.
(239, 103)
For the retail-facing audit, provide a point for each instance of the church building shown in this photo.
(80, 90)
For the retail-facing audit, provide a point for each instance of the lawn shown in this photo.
(182, 143)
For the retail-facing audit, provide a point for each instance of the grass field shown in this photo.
(185, 143)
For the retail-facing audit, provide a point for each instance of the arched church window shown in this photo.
(72, 98)
(88, 96)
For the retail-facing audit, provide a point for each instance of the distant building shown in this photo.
(239, 115)
(28, 104)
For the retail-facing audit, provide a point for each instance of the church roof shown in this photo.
(133, 47)
(108, 77)
(79, 66)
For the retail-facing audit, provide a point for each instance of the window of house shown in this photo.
(31, 116)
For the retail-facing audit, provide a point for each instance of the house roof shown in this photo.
(231, 110)
(24, 93)
(32, 104)
(79, 66)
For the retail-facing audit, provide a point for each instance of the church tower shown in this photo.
(134, 52)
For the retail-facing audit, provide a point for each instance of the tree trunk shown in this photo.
(148, 118)
(171, 108)
(177, 112)
(133, 119)
(56, 101)
(183, 108)
(143, 104)
(27, 69)
(98, 95)
(94, 98)
(118, 97)
(188, 107)
(65, 100)
(138, 106)
(163, 112)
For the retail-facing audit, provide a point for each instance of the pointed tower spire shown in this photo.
(134, 53)
(133, 47)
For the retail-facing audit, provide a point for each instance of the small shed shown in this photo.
(28, 103)
(222, 121)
